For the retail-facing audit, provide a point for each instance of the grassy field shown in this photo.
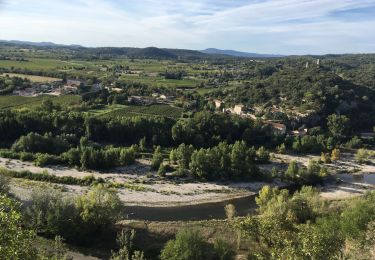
(16, 102)
(152, 110)
(33, 64)
(32, 78)
(160, 81)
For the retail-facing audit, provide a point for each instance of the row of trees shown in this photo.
(50, 150)
(224, 161)
(44, 130)
(205, 129)
(125, 130)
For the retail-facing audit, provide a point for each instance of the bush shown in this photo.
(45, 177)
(43, 159)
(52, 213)
(223, 250)
(100, 208)
(72, 157)
(37, 143)
(263, 155)
(354, 219)
(9, 154)
(335, 155)
(25, 156)
(355, 142)
(188, 245)
(16, 242)
(127, 156)
(157, 158)
(4, 184)
(281, 148)
(78, 219)
(162, 170)
(362, 155)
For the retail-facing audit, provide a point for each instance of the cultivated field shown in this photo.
(16, 102)
(152, 110)
(33, 78)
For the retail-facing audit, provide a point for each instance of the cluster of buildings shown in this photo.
(55, 88)
(35, 90)
(155, 98)
(277, 126)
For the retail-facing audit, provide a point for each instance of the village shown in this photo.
(276, 125)
(59, 87)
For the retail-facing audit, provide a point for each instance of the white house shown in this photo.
(239, 109)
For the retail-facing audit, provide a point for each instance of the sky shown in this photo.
(262, 26)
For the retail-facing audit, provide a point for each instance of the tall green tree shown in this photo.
(338, 126)
(15, 240)
(157, 158)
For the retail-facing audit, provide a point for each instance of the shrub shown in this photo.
(43, 159)
(355, 142)
(47, 143)
(263, 155)
(335, 155)
(281, 148)
(162, 170)
(223, 250)
(16, 242)
(100, 208)
(188, 245)
(78, 219)
(157, 158)
(230, 211)
(4, 184)
(362, 155)
(45, 177)
(25, 156)
(9, 154)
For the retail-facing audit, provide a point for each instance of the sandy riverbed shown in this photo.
(144, 189)
(346, 164)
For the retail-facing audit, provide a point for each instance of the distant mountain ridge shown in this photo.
(79, 51)
(240, 53)
(132, 52)
(38, 44)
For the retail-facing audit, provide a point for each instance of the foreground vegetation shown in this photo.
(286, 226)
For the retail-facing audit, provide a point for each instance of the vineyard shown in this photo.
(11, 102)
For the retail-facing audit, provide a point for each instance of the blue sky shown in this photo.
(263, 26)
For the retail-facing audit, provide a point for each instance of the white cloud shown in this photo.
(276, 26)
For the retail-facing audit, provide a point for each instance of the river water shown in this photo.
(358, 178)
(244, 206)
(206, 211)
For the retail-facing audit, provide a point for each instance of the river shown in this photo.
(365, 178)
(206, 211)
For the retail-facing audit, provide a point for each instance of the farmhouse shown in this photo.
(141, 100)
(299, 132)
(218, 103)
(278, 128)
(238, 109)
(73, 83)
